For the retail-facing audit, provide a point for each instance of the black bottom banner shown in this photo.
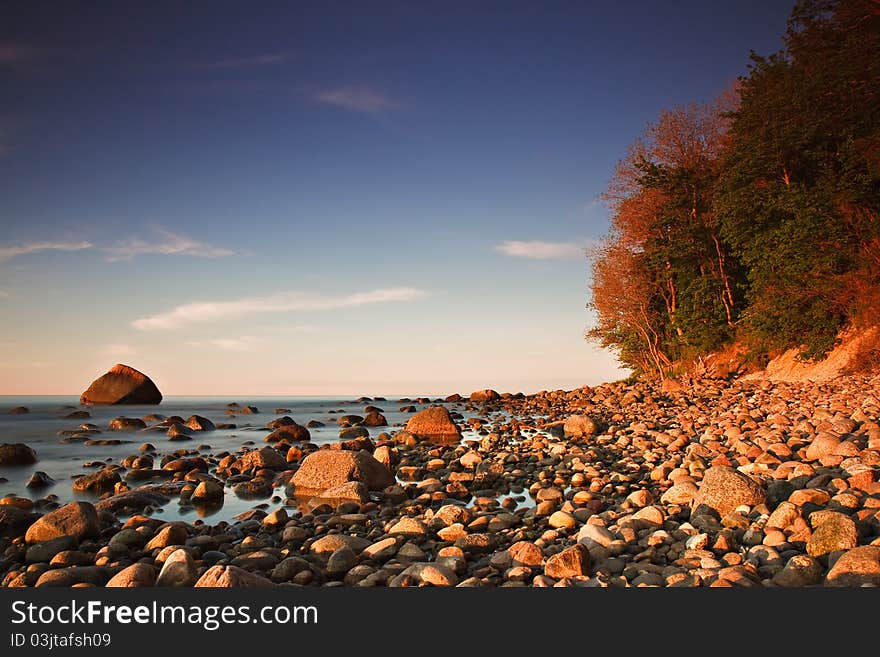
(107, 621)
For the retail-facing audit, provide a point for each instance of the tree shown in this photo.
(662, 223)
(797, 196)
(755, 218)
(625, 301)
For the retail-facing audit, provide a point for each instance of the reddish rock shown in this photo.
(425, 573)
(132, 500)
(187, 464)
(199, 423)
(386, 456)
(823, 444)
(77, 519)
(580, 425)
(103, 481)
(136, 575)
(126, 424)
(487, 395)
(230, 576)
(836, 531)
(208, 492)
(174, 533)
(354, 491)
(862, 480)
(858, 566)
(330, 468)
(571, 562)
(524, 553)
(375, 419)
(265, 457)
(433, 422)
(291, 432)
(122, 385)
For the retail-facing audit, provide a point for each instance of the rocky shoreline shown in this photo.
(703, 483)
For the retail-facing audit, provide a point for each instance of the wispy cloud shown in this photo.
(15, 250)
(168, 244)
(243, 343)
(212, 311)
(538, 250)
(297, 328)
(264, 59)
(358, 99)
(165, 243)
(4, 294)
(118, 350)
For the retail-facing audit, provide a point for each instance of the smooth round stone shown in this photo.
(545, 508)
(562, 520)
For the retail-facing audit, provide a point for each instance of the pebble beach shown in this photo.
(692, 483)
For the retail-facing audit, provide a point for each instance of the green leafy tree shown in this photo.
(797, 196)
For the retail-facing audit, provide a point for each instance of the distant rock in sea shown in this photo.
(122, 385)
(484, 396)
(16, 454)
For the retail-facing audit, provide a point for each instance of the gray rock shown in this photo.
(44, 551)
(723, 489)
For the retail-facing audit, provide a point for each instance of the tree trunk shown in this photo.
(672, 305)
(726, 294)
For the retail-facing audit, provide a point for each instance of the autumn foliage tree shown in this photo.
(664, 248)
(755, 218)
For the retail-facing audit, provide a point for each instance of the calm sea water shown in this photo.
(65, 461)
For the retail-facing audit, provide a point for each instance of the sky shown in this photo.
(328, 198)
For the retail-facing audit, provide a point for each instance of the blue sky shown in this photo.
(327, 198)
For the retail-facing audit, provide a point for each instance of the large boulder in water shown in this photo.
(122, 385)
(294, 432)
(484, 396)
(103, 481)
(17, 454)
(433, 422)
(329, 468)
(259, 459)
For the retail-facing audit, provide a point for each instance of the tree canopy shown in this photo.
(755, 218)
